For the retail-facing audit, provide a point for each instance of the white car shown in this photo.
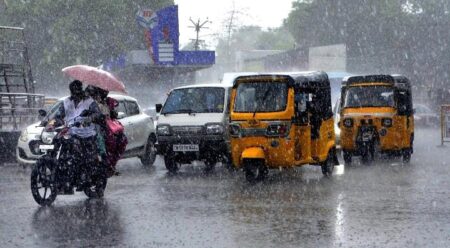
(139, 129)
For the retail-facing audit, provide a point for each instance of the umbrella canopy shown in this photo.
(95, 77)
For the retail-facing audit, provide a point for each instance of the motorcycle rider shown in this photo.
(78, 112)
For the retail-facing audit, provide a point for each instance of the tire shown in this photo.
(365, 155)
(171, 165)
(347, 157)
(255, 170)
(406, 155)
(98, 189)
(328, 165)
(209, 165)
(43, 176)
(150, 153)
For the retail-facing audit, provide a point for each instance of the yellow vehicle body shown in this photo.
(296, 146)
(393, 129)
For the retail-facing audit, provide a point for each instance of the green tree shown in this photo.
(62, 33)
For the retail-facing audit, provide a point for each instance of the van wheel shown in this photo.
(255, 170)
(150, 153)
(328, 165)
(171, 165)
(347, 157)
(209, 165)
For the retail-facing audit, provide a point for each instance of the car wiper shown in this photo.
(266, 94)
(180, 111)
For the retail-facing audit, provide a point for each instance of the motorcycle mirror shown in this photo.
(42, 113)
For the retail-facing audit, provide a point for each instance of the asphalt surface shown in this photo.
(387, 204)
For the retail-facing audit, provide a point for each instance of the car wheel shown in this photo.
(150, 153)
(171, 165)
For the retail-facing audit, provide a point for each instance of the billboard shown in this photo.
(161, 33)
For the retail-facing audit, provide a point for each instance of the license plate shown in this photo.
(185, 148)
(46, 147)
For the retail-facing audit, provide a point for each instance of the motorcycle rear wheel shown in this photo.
(97, 189)
(43, 186)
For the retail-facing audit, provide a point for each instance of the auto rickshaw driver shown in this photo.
(289, 123)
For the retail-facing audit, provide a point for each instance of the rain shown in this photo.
(175, 123)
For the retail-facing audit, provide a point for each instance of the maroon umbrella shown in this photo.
(95, 77)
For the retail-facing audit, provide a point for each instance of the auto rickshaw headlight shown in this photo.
(277, 130)
(235, 130)
(163, 130)
(214, 128)
(348, 122)
(386, 122)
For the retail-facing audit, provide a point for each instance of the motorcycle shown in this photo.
(69, 162)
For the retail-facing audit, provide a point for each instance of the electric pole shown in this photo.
(198, 26)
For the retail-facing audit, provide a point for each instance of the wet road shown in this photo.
(384, 205)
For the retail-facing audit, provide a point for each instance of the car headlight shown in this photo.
(163, 130)
(214, 128)
(387, 122)
(24, 136)
(348, 122)
(47, 137)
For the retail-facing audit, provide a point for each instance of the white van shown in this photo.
(193, 125)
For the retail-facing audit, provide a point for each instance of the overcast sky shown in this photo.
(264, 13)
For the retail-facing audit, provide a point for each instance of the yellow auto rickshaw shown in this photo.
(281, 121)
(376, 117)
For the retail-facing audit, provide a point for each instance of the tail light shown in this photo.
(277, 130)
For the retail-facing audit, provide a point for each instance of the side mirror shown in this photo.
(120, 115)
(158, 107)
(42, 113)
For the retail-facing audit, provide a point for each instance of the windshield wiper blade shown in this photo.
(180, 111)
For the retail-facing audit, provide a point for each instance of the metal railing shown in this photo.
(17, 110)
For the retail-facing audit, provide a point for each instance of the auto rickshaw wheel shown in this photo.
(406, 155)
(347, 157)
(328, 165)
(255, 170)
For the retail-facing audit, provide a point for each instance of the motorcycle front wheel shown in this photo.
(43, 185)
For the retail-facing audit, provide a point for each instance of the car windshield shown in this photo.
(369, 96)
(261, 97)
(195, 100)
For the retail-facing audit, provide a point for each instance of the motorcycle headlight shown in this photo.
(163, 130)
(47, 137)
(214, 128)
(24, 136)
(387, 122)
(348, 122)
